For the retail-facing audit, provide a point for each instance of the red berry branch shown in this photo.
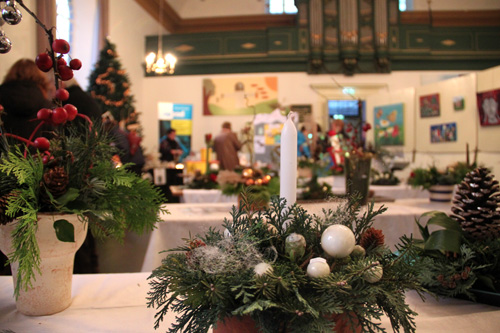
(46, 61)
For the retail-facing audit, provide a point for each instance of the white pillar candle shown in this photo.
(288, 162)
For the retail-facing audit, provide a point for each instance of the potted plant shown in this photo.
(283, 270)
(54, 188)
(439, 183)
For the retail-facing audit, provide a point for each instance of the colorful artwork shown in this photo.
(444, 133)
(429, 106)
(488, 104)
(458, 103)
(240, 96)
(389, 125)
(178, 117)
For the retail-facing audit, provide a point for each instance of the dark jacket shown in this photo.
(21, 101)
(84, 102)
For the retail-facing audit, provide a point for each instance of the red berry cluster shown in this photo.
(65, 72)
(60, 114)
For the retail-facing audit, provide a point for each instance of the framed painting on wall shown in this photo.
(458, 103)
(444, 133)
(240, 96)
(429, 106)
(489, 107)
(389, 125)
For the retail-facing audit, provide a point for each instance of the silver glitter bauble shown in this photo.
(5, 44)
(11, 14)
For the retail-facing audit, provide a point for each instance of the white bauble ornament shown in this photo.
(295, 246)
(262, 268)
(227, 234)
(358, 251)
(374, 274)
(338, 241)
(318, 267)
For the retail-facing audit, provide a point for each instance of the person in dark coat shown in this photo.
(82, 100)
(170, 149)
(23, 92)
(226, 145)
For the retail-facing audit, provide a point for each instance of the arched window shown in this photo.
(282, 7)
(64, 20)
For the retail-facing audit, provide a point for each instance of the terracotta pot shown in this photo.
(243, 324)
(246, 324)
(51, 290)
(441, 193)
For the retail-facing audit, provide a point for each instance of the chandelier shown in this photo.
(157, 63)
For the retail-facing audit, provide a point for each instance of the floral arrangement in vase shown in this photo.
(461, 257)
(439, 183)
(284, 270)
(451, 175)
(68, 171)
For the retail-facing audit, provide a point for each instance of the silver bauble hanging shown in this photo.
(11, 14)
(5, 44)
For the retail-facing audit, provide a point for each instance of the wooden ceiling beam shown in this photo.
(452, 18)
(175, 24)
(169, 17)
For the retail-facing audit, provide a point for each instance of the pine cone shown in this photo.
(475, 205)
(56, 181)
(4, 219)
(372, 238)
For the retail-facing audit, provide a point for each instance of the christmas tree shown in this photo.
(109, 84)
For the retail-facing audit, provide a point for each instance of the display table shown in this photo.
(117, 303)
(193, 219)
(206, 196)
(400, 191)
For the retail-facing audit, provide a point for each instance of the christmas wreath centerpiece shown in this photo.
(258, 184)
(285, 270)
(461, 257)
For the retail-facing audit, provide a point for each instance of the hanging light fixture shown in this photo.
(156, 62)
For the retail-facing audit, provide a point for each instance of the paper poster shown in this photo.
(239, 96)
(178, 117)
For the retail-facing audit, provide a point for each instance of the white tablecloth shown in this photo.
(117, 303)
(401, 191)
(195, 219)
(206, 196)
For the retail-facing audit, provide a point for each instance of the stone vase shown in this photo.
(357, 172)
(441, 193)
(51, 290)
